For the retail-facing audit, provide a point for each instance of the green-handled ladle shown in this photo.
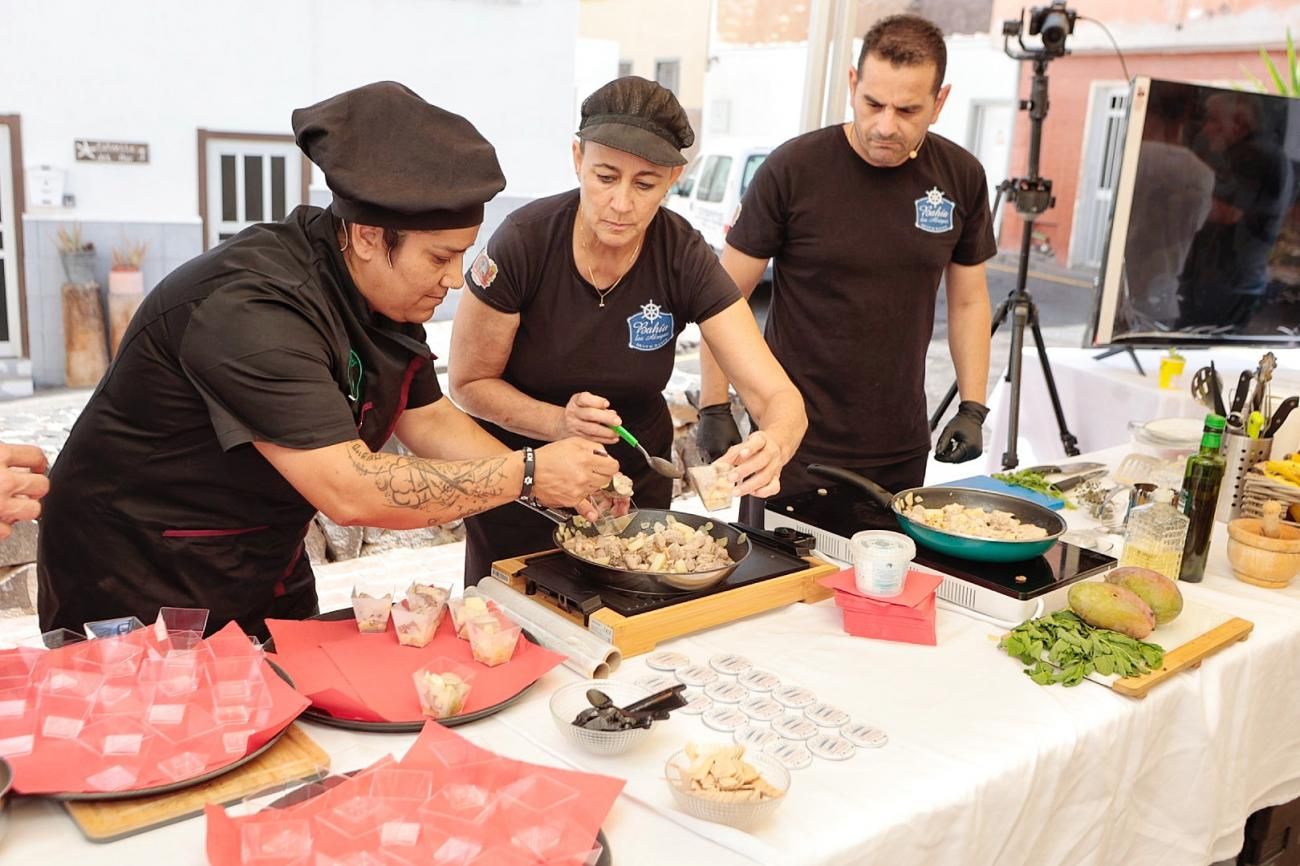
(658, 464)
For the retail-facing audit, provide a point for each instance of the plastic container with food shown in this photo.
(492, 639)
(370, 605)
(416, 626)
(443, 687)
(713, 485)
(465, 608)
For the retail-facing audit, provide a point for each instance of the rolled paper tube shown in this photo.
(584, 652)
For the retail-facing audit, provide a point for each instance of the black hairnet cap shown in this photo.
(393, 160)
(640, 117)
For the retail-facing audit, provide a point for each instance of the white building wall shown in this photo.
(155, 71)
(754, 92)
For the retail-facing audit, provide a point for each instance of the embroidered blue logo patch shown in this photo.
(649, 329)
(934, 212)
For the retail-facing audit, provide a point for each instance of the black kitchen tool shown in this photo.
(1279, 416)
(784, 538)
(1235, 419)
(1216, 391)
(1203, 387)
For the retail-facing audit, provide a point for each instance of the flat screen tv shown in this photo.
(1204, 244)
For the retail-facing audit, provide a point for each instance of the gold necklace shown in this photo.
(591, 272)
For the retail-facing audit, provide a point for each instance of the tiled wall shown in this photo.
(169, 245)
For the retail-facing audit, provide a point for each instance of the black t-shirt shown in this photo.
(566, 342)
(158, 497)
(858, 253)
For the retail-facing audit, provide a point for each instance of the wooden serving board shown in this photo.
(295, 756)
(641, 633)
(1185, 655)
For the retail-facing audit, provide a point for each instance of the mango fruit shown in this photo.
(1105, 605)
(1159, 592)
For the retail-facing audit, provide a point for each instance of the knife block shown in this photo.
(1239, 454)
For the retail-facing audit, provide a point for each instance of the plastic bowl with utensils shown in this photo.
(570, 700)
(740, 814)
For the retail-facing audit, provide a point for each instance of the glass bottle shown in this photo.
(1200, 497)
(1155, 538)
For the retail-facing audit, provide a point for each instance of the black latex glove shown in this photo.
(716, 430)
(963, 438)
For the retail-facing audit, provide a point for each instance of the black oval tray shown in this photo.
(312, 714)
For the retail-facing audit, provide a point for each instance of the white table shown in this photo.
(1100, 398)
(983, 766)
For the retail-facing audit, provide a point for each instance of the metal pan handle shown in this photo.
(879, 494)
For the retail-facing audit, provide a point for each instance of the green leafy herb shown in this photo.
(1032, 481)
(1062, 648)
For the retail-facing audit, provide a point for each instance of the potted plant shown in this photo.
(77, 255)
(125, 278)
(125, 290)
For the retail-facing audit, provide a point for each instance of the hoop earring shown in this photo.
(346, 236)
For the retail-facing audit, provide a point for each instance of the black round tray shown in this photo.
(414, 726)
(184, 783)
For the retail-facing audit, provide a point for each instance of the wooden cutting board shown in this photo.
(295, 756)
(1198, 633)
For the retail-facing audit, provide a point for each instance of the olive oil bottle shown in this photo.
(1199, 497)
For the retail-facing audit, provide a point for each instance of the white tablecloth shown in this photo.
(1100, 398)
(982, 766)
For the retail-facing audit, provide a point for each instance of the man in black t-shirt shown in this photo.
(861, 221)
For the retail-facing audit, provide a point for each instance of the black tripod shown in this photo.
(1031, 196)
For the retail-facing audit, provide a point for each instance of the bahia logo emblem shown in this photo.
(934, 212)
(649, 329)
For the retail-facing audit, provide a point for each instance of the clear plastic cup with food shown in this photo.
(443, 686)
(493, 639)
(371, 603)
(415, 626)
(465, 608)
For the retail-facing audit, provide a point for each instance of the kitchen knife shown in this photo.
(1065, 469)
(1074, 481)
(1279, 416)
(1216, 391)
(1239, 400)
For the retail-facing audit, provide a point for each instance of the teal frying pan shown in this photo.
(953, 543)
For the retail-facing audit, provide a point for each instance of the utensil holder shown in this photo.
(1239, 454)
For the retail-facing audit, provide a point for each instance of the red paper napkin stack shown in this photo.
(907, 617)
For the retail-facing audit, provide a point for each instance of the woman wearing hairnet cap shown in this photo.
(574, 308)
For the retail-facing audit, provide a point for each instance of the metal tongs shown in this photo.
(575, 521)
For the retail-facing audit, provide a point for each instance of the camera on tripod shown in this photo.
(1052, 23)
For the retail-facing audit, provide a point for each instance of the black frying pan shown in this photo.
(650, 582)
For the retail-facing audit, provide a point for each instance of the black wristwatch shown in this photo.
(530, 473)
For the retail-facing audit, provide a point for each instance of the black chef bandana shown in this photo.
(639, 117)
(395, 161)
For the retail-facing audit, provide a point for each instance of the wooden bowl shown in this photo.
(1260, 560)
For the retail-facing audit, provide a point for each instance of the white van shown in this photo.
(709, 192)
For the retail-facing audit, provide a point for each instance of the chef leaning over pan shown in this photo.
(257, 383)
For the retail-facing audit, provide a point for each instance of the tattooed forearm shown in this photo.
(446, 490)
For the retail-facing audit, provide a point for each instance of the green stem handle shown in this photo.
(625, 435)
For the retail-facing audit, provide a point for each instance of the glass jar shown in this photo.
(1154, 539)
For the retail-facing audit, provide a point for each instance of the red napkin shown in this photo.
(124, 745)
(918, 586)
(368, 677)
(515, 808)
